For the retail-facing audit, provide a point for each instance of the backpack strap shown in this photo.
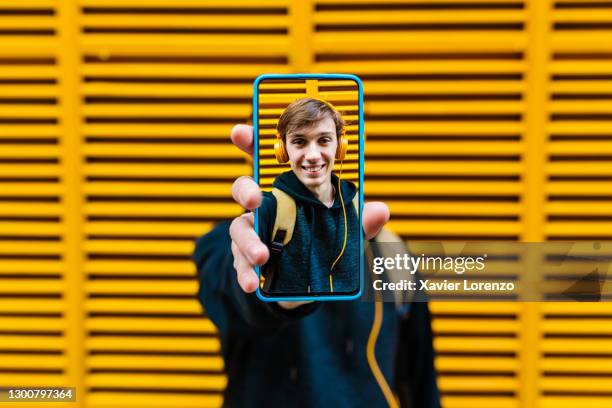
(282, 232)
(285, 216)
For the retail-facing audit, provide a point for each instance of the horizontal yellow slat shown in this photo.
(168, 170)
(580, 127)
(579, 207)
(115, 267)
(137, 287)
(576, 346)
(169, 110)
(157, 247)
(478, 364)
(29, 248)
(29, 131)
(577, 309)
(25, 342)
(30, 228)
(601, 326)
(565, 401)
(25, 22)
(148, 229)
(446, 167)
(451, 208)
(29, 170)
(475, 345)
(576, 384)
(478, 308)
(148, 130)
(452, 228)
(187, 70)
(43, 267)
(223, 4)
(580, 67)
(153, 399)
(34, 380)
(108, 45)
(28, 91)
(445, 188)
(33, 324)
(420, 16)
(461, 325)
(107, 89)
(479, 401)
(24, 208)
(36, 361)
(155, 363)
(444, 107)
(375, 127)
(429, 41)
(577, 365)
(581, 106)
(137, 325)
(418, 67)
(579, 228)
(14, 111)
(114, 189)
(23, 305)
(158, 381)
(226, 150)
(51, 189)
(152, 343)
(160, 20)
(489, 383)
(580, 87)
(28, 151)
(577, 188)
(591, 148)
(449, 148)
(153, 306)
(393, 87)
(579, 168)
(582, 16)
(35, 286)
(29, 71)
(229, 209)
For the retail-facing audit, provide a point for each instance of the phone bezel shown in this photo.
(314, 297)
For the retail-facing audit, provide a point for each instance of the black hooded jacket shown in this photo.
(314, 355)
(318, 237)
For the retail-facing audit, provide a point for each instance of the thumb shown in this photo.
(375, 216)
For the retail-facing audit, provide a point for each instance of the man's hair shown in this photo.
(306, 112)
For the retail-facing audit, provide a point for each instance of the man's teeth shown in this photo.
(313, 169)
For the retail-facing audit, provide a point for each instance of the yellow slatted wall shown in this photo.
(486, 120)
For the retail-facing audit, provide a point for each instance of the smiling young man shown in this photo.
(311, 131)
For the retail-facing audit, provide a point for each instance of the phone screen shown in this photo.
(308, 166)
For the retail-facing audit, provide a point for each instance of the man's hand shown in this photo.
(247, 248)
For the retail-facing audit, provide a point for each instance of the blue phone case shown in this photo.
(260, 78)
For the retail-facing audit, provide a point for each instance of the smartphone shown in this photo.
(308, 162)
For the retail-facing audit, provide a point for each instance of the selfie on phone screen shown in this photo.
(308, 168)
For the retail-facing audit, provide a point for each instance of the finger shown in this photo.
(242, 137)
(246, 276)
(246, 193)
(375, 216)
(247, 240)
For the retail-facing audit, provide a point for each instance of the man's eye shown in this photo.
(325, 140)
(297, 142)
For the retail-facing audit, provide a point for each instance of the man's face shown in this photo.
(311, 152)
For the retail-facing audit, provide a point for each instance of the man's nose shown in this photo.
(313, 153)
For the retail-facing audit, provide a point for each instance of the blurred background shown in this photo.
(485, 120)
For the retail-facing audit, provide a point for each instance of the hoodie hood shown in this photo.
(290, 184)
